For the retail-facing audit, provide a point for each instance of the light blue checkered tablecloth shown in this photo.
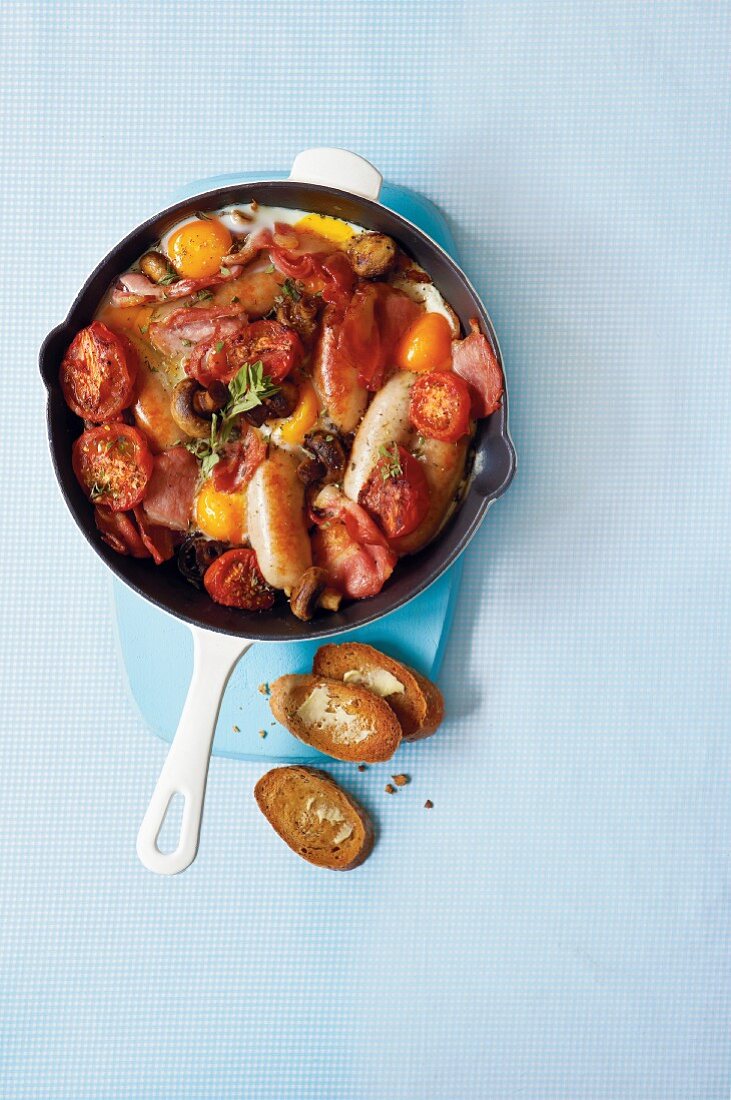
(556, 927)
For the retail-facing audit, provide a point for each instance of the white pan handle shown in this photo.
(338, 168)
(186, 768)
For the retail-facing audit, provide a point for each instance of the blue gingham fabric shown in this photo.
(556, 927)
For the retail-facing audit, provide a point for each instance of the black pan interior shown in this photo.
(492, 468)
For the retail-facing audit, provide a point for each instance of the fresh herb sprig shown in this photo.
(249, 387)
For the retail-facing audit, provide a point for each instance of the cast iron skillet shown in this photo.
(325, 181)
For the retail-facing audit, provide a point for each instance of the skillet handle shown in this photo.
(186, 768)
(338, 168)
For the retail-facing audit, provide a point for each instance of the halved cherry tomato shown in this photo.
(440, 406)
(426, 345)
(279, 348)
(234, 580)
(112, 463)
(396, 492)
(98, 374)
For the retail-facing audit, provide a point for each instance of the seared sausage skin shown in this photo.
(336, 380)
(276, 517)
(387, 421)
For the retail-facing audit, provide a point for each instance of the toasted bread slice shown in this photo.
(315, 817)
(416, 701)
(342, 720)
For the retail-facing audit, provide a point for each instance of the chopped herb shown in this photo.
(235, 299)
(225, 271)
(236, 729)
(203, 295)
(219, 345)
(100, 489)
(166, 280)
(289, 287)
(143, 329)
(392, 466)
(269, 270)
(262, 733)
(203, 217)
(250, 387)
(186, 343)
(329, 438)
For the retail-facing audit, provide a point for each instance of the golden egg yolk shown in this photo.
(197, 248)
(325, 225)
(295, 427)
(426, 345)
(221, 515)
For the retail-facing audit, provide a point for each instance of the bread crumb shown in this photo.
(428, 804)
(236, 729)
(390, 789)
(264, 689)
(401, 780)
(362, 768)
(262, 733)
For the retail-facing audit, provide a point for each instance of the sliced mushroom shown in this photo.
(330, 599)
(300, 314)
(155, 266)
(282, 403)
(329, 451)
(305, 597)
(206, 402)
(196, 553)
(311, 470)
(372, 255)
(185, 412)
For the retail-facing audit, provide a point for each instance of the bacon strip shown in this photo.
(349, 545)
(474, 360)
(171, 489)
(135, 289)
(240, 460)
(186, 327)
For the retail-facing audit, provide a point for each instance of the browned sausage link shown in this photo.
(372, 255)
(306, 595)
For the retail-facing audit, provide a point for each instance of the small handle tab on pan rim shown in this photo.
(186, 767)
(338, 168)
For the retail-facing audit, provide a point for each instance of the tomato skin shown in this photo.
(440, 406)
(235, 580)
(98, 374)
(113, 464)
(279, 348)
(398, 501)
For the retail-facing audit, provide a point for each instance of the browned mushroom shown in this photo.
(206, 402)
(155, 266)
(280, 404)
(300, 314)
(185, 412)
(305, 597)
(328, 450)
(311, 470)
(372, 255)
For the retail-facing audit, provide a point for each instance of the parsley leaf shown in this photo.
(166, 280)
(249, 387)
(225, 271)
(392, 466)
(289, 287)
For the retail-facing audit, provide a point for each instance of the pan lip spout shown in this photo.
(493, 469)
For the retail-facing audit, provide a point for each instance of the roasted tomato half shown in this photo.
(279, 348)
(113, 465)
(98, 374)
(235, 580)
(396, 492)
(440, 406)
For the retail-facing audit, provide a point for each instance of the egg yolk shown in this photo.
(221, 515)
(294, 428)
(426, 345)
(197, 248)
(325, 225)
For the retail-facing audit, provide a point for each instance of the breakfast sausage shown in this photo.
(152, 414)
(335, 379)
(386, 422)
(444, 465)
(276, 517)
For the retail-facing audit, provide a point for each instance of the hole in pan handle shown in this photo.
(186, 767)
(338, 168)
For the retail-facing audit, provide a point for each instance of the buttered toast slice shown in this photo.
(315, 817)
(416, 701)
(342, 720)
